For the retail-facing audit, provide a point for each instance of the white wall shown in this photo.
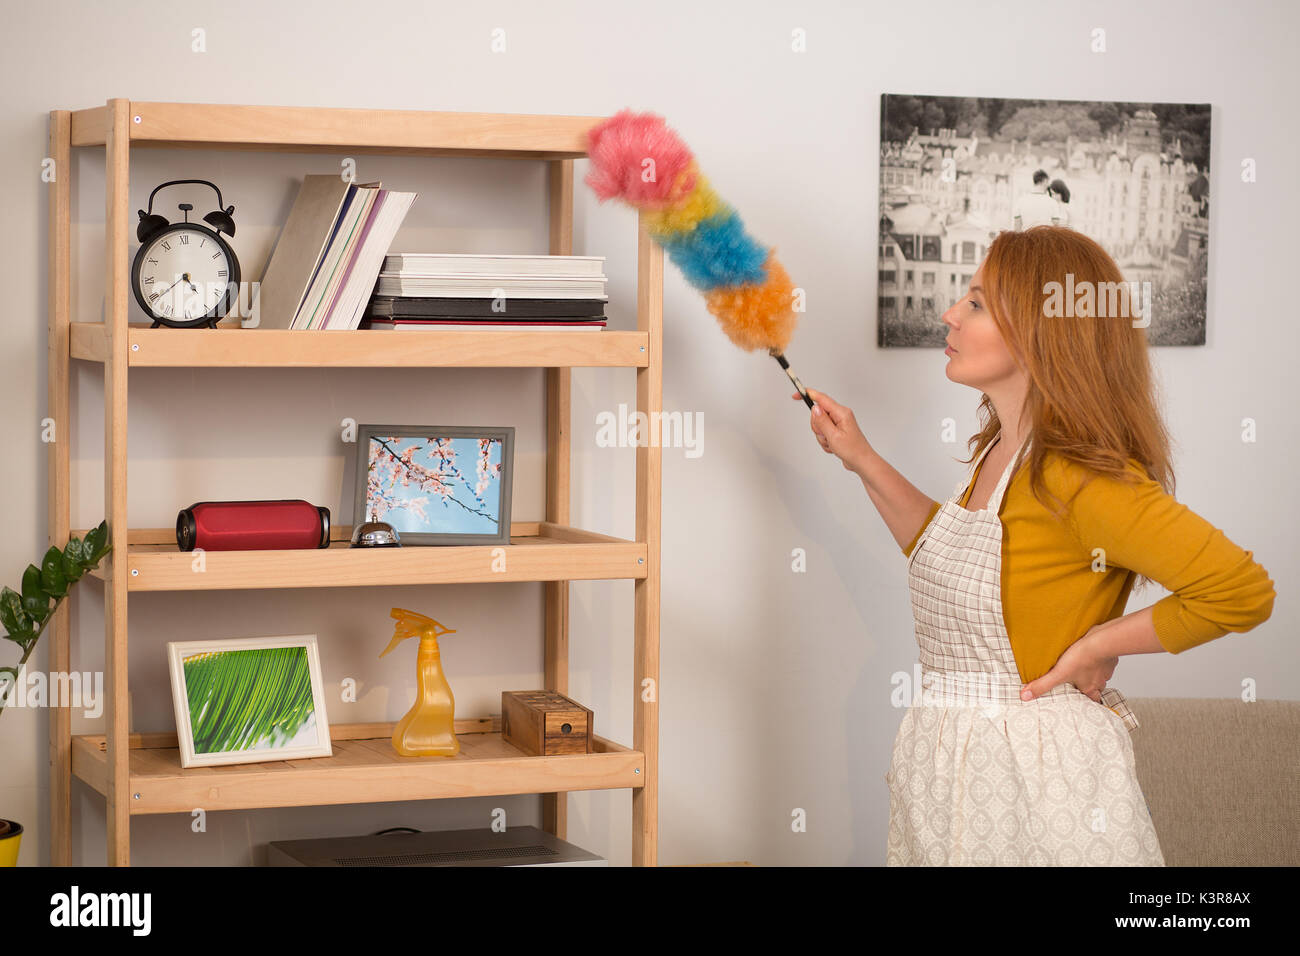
(775, 685)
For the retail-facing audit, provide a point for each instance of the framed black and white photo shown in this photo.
(436, 484)
(955, 171)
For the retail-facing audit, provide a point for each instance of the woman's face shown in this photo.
(977, 355)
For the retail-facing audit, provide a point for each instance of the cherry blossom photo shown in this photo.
(446, 482)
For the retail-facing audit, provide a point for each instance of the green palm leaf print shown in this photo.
(239, 700)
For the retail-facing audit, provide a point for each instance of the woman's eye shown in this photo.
(974, 304)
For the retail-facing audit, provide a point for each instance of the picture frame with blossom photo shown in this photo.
(436, 484)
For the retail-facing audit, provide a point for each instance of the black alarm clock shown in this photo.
(184, 274)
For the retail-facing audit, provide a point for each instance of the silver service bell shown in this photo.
(375, 534)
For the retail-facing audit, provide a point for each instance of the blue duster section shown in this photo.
(717, 252)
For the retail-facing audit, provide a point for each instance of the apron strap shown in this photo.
(971, 469)
(999, 492)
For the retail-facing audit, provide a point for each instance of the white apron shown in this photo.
(978, 776)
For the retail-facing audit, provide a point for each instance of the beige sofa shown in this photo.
(1221, 778)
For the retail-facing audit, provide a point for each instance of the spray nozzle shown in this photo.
(414, 624)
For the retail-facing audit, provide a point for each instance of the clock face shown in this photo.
(183, 274)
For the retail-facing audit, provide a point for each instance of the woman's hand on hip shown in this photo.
(836, 429)
(1082, 664)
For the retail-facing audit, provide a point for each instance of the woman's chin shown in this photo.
(956, 376)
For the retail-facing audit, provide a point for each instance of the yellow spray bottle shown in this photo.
(428, 729)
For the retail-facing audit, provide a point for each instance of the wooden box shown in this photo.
(543, 723)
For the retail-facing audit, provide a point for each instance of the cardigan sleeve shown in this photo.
(1216, 586)
(907, 551)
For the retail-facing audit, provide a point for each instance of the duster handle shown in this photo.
(786, 365)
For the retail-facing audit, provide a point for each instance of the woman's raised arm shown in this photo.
(904, 508)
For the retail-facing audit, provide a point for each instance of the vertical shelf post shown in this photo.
(555, 806)
(59, 478)
(649, 477)
(116, 183)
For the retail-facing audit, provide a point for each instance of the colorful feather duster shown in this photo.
(635, 157)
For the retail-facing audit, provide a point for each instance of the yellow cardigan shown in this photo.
(1051, 595)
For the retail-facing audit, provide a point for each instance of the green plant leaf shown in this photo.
(53, 580)
(73, 558)
(95, 537)
(15, 620)
(96, 544)
(36, 603)
(23, 640)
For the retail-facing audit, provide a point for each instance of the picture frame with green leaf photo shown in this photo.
(248, 700)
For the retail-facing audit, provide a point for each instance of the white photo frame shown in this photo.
(289, 723)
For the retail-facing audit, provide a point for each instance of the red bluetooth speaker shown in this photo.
(252, 526)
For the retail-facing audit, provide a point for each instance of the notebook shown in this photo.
(298, 251)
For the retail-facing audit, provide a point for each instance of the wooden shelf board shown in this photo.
(364, 768)
(540, 551)
(363, 348)
(319, 129)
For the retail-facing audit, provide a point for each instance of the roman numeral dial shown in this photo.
(185, 275)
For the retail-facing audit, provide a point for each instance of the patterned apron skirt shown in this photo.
(978, 776)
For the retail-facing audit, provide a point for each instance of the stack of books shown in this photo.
(323, 268)
(418, 290)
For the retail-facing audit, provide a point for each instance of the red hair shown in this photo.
(1091, 396)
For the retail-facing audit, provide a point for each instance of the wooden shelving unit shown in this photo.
(141, 773)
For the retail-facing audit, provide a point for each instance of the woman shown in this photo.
(1018, 752)
(1060, 194)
